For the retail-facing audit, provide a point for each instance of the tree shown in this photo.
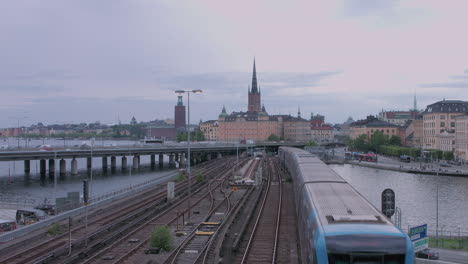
(162, 238)
(360, 143)
(194, 136)
(273, 137)
(377, 139)
(394, 140)
(311, 143)
(448, 155)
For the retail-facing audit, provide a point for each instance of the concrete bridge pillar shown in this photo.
(113, 163)
(124, 163)
(153, 160)
(219, 155)
(51, 166)
(171, 160)
(183, 160)
(42, 166)
(27, 166)
(161, 160)
(104, 162)
(63, 167)
(193, 160)
(200, 158)
(176, 157)
(135, 162)
(89, 163)
(208, 156)
(74, 167)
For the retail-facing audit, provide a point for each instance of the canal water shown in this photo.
(16, 187)
(416, 196)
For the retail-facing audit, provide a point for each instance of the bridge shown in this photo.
(175, 152)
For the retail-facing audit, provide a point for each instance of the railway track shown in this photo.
(40, 252)
(133, 241)
(262, 243)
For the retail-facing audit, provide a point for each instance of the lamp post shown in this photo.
(437, 207)
(188, 92)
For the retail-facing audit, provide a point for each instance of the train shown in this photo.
(336, 224)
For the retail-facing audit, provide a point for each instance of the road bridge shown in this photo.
(176, 153)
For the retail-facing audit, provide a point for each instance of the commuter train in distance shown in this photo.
(337, 225)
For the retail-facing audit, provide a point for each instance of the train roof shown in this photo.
(335, 201)
(340, 203)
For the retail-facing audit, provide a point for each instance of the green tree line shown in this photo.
(391, 146)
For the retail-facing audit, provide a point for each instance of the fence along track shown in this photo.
(143, 231)
(38, 251)
(262, 237)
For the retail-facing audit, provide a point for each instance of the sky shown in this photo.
(64, 61)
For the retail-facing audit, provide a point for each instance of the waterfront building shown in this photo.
(316, 120)
(414, 133)
(294, 128)
(461, 137)
(210, 129)
(447, 141)
(370, 125)
(256, 123)
(168, 130)
(322, 133)
(439, 117)
(399, 118)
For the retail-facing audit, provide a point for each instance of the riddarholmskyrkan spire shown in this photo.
(254, 93)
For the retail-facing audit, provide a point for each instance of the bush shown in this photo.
(162, 238)
(180, 177)
(200, 178)
(54, 230)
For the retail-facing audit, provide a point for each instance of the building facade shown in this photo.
(447, 141)
(439, 117)
(370, 125)
(461, 137)
(255, 123)
(414, 133)
(167, 129)
(322, 133)
(210, 129)
(399, 118)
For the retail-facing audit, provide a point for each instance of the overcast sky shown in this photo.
(86, 60)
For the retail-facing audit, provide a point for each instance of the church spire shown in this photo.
(254, 79)
(299, 111)
(415, 105)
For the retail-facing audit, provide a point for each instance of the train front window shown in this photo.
(365, 259)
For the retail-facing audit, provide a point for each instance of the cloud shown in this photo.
(445, 85)
(369, 7)
(30, 88)
(462, 82)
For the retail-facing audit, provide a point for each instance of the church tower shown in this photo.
(254, 94)
(179, 115)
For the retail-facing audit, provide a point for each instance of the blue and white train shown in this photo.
(337, 225)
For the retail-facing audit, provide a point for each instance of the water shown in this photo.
(416, 195)
(16, 186)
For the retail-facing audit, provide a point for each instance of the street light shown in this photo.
(188, 92)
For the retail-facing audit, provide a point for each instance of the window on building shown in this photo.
(442, 117)
(442, 124)
(452, 124)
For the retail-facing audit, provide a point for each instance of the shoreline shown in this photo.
(401, 169)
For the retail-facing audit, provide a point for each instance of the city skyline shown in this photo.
(88, 61)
